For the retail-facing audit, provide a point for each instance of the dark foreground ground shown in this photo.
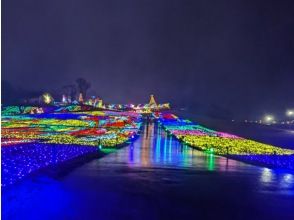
(154, 178)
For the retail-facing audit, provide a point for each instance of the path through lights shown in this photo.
(31, 141)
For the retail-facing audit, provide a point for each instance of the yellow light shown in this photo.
(47, 98)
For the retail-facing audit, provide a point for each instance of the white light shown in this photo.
(269, 118)
(290, 112)
(266, 176)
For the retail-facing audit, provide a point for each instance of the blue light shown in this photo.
(19, 161)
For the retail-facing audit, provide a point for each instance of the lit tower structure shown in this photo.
(64, 99)
(100, 103)
(81, 99)
(152, 102)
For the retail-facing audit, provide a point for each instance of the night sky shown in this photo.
(233, 57)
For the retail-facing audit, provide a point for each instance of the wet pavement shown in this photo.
(156, 177)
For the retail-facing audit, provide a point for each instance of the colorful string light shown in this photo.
(217, 142)
(29, 141)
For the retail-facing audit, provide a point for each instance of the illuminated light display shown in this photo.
(99, 103)
(149, 107)
(67, 133)
(16, 110)
(214, 142)
(87, 132)
(152, 101)
(233, 146)
(64, 99)
(19, 161)
(274, 161)
(169, 117)
(81, 99)
(47, 98)
(70, 128)
(11, 110)
(217, 142)
(80, 129)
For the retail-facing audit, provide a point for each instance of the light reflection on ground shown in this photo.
(155, 178)
(156, 148)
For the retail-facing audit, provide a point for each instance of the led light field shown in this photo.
(222, 143)
(33, 141)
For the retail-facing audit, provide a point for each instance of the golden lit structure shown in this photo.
(152, 101)
(47, 98)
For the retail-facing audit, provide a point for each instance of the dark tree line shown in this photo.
(14, 95)
(73, 90)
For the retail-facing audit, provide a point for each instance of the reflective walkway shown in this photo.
(157, 149)
(156, 177)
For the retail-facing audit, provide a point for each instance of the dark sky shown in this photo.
(235, 56)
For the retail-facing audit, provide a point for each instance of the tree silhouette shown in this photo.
(70, 91)
(83, 86)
